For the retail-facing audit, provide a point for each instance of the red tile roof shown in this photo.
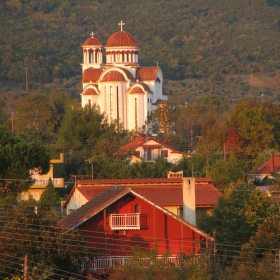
(163, 192)
(91, 208)
(90, 91)
(113, 76)
(138, 89)
(92, 42)
(141, 141)
(121, 39)
(272, 165)
(91, 75)
(147, 73)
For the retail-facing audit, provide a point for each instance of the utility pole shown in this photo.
(25, 269)
(13, 119)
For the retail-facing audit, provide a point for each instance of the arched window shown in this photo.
(137, 208)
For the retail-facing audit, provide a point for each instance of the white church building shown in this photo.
(124, 90)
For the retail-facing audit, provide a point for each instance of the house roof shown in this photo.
(141, 141)
(92, 207)
(163, 192)
(272, 165)
(105, 199)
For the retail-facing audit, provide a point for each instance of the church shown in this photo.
(119, 86)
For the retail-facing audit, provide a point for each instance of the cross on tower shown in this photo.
(121, 24)
(92, 34)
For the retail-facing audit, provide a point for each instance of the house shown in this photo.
(164, 192)
(263, 173)
(41, 180)
(120, 219)
(149, 149)
(119, 86)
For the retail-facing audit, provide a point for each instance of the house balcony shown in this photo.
(125, 221)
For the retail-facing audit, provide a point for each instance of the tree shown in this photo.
(49, 195)
(236, 218)
(252, 121)
(17, 158)
(224, 172)
(258, 257)
(50, 249)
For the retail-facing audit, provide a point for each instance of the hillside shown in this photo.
(212, 40)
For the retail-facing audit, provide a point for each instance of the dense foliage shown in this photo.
(52, 252)
(17, 159)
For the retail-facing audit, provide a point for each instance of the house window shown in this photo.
(137, 153)
(164, 153)
(149, 154)
(137, 208)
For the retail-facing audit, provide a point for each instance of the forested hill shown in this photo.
(187, 38)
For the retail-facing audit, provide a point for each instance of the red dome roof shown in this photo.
(92, 42)
(121, 39)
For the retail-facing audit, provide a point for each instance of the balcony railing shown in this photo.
(125, 221)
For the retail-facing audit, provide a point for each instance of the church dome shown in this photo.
(121, 39)
(92, 42)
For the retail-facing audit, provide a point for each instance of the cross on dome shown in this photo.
(92, 34)
(121, 24)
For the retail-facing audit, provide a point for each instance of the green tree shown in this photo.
(236, 218)
(252, 121)
(258, 257)
(17, 158)
(49, 195)
(50, 249)
(225, 172)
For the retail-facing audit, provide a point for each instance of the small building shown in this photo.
(149, 149)
(41, 180)
(120, 219)
(263, 173)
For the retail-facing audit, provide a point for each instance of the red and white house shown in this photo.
(120, 219)
(149, 149)
(118, 215)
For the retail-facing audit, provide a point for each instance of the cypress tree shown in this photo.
(49, 195)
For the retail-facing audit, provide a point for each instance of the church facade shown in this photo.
(119, 86)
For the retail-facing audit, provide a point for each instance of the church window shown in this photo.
(89, 103)
(111, 104)
(136, 112)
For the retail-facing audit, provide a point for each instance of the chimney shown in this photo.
(189, 200)
(272, 162)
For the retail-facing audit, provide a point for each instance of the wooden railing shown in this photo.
(125, 221)
(119, 261)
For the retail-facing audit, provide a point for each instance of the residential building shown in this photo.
(149, 149)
